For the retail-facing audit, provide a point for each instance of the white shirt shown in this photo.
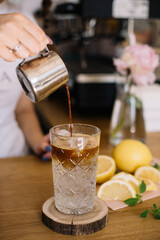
(12, 140)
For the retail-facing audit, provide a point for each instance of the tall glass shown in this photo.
(74, 164)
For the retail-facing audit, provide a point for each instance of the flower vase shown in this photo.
(127, 117)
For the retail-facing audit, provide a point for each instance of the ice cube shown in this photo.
(72, 142)
(63, 132)
(79, 143)
(82, 142)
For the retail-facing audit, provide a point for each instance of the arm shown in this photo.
(29, 123)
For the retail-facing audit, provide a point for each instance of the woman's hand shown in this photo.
(43, 148)
(20, 37)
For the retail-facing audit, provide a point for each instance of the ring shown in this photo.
(16, 49)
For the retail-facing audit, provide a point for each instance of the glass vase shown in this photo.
(127, 121)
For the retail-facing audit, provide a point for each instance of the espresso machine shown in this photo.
(86, 33)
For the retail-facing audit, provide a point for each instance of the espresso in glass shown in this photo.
(74, 164)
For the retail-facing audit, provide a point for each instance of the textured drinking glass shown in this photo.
(74, 164)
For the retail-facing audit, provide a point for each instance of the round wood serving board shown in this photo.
(83, 224)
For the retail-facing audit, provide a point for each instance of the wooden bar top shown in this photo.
(26, 183)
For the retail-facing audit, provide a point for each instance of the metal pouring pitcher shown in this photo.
(42, 75)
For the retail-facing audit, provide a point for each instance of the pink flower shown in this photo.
(141, 60)
(121, 66)
(144, 78)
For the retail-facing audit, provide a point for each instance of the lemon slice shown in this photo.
(116, 189)
(128, 178)
(150, 186)
(148, 172)
(106, 168)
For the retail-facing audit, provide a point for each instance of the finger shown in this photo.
(47, 137)
(7, 55)
(42, 41)
(38, 34)
(30, 43)
(36, 31)
(32, 40)
(25, 24)
(22, 52)
(44, 146)
(26, 39)
(46, 156)
(48, 148)
(8, 39)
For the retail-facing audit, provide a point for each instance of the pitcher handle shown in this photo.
(43, 53)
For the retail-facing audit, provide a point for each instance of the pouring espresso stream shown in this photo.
(69, 105)
(42, 75)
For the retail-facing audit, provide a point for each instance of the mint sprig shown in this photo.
(138, 198)
(155, 212)
(156, 166)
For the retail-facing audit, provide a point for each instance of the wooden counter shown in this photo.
(26, 183)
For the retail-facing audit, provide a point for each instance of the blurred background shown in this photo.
(88, 34)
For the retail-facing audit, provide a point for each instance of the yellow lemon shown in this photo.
(150, 186)
(116, 189)
(128, 178)
(131, 154)
(148, 172)
(106, 168)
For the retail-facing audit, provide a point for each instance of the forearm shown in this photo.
(29, 123)
(30, 126)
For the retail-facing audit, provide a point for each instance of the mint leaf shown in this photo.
(144, 214)
(138, 196)
(156, 214)
(131, 201)
(156, 166)
(134, 201)
(142, 187)
(154, 206)
(158, 210)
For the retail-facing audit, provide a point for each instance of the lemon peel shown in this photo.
(148, 172)
(131, 154)
(116, 189)
(128, 178)
(106, 168)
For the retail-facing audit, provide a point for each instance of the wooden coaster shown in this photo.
(83, 224)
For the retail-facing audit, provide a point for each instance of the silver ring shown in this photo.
(16, 49)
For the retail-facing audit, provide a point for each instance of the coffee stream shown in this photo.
(69, 105)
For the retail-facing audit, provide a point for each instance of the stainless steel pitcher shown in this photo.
(42, 75)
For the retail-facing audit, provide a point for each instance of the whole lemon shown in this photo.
(131, 154)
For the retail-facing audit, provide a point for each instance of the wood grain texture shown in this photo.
(82, 224)
(26, 183)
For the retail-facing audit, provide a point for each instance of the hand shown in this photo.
(20, 37)
(43, 148)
